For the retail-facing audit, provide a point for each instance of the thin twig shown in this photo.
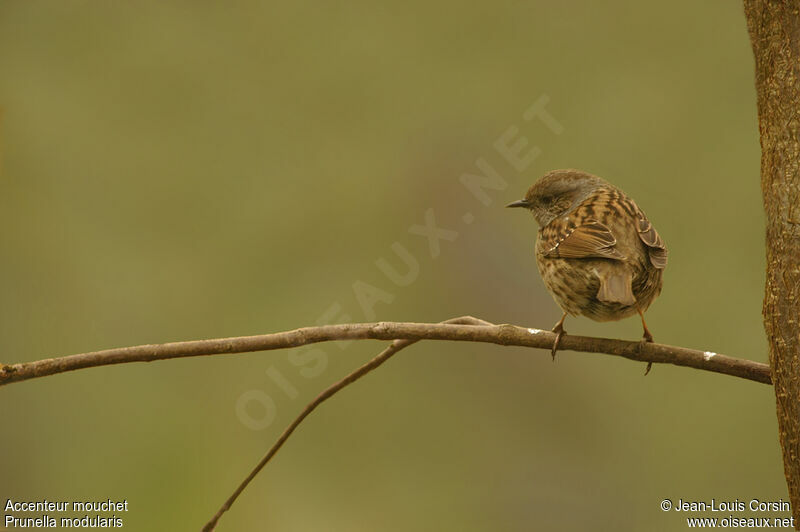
(384, 355)
(466, 329)
(496, 334)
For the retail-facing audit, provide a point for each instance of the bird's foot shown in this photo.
(647, 338)
(559, 330)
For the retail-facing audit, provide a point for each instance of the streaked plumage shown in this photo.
(598, 254)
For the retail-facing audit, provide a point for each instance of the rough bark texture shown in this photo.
(774, 27)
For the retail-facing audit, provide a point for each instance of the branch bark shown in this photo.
(466, 328)
(774, 27)
(382, 357)
(511, 335)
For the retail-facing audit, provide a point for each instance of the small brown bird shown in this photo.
(597, 252)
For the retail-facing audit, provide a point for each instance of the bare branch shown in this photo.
(384, 355)
(464, 329)
(510, 335)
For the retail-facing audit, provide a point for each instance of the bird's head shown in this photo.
(557, 193)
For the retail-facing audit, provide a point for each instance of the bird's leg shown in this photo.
(647, 337)
(559, 330)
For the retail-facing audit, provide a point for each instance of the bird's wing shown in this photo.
(590, 239)
(656, 249)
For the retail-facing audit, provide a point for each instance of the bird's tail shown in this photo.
(616, 287)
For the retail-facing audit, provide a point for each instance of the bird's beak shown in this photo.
(519, 203)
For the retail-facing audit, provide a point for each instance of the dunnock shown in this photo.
(597, 252)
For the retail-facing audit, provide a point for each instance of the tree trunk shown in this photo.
(774, 27)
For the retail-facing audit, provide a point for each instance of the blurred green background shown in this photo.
(183, 170)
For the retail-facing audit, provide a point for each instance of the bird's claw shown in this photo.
(559, 330)
(647, 338)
